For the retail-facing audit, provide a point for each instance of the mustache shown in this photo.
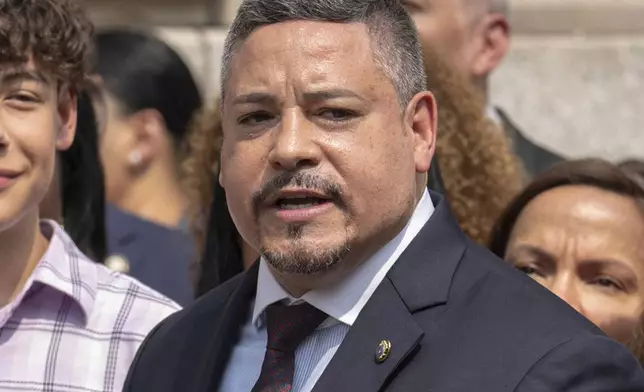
(303, 180)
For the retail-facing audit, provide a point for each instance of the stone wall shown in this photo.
(574, 79)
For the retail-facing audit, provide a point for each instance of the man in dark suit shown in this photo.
(473, 36)
(365, 282)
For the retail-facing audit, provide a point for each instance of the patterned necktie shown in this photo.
(287, 326)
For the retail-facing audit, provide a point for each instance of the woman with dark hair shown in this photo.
(578, 229)
(150, 98)
(76, 197)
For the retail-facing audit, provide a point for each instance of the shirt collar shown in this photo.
(345, 300)
(65, 269)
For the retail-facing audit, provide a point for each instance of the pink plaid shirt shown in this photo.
(76, 326)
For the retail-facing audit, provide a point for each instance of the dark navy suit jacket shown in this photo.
(157, 256)
(458, 318)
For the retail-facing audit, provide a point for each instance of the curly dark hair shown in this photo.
(56, 34)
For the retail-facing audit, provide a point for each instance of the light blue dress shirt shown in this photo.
(342, 302)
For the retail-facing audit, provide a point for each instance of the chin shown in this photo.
(304, 257)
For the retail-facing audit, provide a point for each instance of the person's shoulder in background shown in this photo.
(155, 255)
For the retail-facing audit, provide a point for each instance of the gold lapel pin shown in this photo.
(383, 351)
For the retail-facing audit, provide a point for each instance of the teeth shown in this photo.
(297, 206)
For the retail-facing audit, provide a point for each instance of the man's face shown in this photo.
(35, 120)
(462, 32)
(319, 161)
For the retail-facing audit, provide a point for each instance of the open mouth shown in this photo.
(299, 202)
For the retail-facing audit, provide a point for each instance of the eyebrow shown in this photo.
(535, 251)
(254, 98)
(323, 95)
(22, 75)
(315, 96)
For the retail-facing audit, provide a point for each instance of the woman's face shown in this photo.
(586, 245)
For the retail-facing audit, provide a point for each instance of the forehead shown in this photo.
(584, 210)
(304, 52)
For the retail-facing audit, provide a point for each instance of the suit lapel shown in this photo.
(354, 366)
(419, 280)
(225, 334)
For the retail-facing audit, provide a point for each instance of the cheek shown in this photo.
(378, 178)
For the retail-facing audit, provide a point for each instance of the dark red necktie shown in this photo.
(287, 327)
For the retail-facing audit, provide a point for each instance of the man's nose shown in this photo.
(294, 145)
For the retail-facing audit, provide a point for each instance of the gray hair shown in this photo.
(394, 40)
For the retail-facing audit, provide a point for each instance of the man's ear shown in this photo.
(494, 36)
(68, 115)
(421, 120)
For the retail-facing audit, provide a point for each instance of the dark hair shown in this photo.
(56, 33)
(83, 200)
(592, 172)
(143, 72)
(222, 255)
(635, 168)
(394, 40)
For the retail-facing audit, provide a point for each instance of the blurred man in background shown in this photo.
(473, 36)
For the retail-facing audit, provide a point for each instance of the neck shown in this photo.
(23, 245)
(156, 197)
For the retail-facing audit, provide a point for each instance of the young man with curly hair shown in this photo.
(66, 323)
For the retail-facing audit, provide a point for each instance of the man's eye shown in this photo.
(336, 114)
(255, 118)
(22, 99)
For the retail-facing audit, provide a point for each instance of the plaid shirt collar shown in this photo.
(60, 269)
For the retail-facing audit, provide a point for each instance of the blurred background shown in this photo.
(574, 79)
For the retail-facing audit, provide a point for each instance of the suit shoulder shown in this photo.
(585, 363)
